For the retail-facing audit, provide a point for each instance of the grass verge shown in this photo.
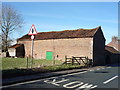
(12, 67)
(21, 63)
(20, 72)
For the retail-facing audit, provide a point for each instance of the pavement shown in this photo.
(9, 81)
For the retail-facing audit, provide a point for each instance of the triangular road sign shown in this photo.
(32, 30)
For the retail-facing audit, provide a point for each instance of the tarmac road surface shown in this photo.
(105, 77)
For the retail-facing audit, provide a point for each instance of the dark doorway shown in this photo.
(107, 60)
(20, 51)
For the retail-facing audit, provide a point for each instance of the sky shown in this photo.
(58, 16)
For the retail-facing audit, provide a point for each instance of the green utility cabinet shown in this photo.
(49, 55)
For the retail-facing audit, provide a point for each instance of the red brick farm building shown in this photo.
(113, 51)
(58, 44)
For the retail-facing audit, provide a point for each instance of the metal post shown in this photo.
(27, 62)
(32, 32)
(32, 51)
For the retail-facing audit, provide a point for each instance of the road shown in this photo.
(100, 77)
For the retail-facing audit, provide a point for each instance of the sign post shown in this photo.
(32, 48)
(32, 32)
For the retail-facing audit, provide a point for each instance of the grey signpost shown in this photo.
(32, 32)
(32, 48)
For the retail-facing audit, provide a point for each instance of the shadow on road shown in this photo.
(101, 72)
(114, 65)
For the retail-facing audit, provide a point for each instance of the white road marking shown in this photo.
(54, 81)
(68, 85)
(107, 81)
(27, 82)
(102, 68)
(98, 69)
(87, 87)
(94, 86)
(73, 74)
(108, 67)
(91, 70)
(73, 84)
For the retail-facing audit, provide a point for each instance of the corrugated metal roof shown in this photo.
(78, 33)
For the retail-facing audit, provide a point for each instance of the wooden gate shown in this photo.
(78, 60)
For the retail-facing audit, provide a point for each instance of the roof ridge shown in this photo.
(76, 33)
(97, 28)
(72, 30)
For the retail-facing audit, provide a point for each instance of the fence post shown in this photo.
(72, 60)
(54, 60)
(65, 59)
(87, 61)
(27, 62)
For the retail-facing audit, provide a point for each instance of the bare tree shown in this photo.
(3, 42)
(11, 20)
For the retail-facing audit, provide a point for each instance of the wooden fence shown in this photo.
(78, 60)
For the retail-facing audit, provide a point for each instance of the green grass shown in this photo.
(18, 63)
(62, 67)
(20, 72)
(12, 67)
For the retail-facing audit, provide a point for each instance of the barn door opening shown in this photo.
(108, 59)
(49, 55)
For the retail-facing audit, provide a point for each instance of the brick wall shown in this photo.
(60, 48)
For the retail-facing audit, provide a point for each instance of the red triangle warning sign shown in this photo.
(32, 30)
